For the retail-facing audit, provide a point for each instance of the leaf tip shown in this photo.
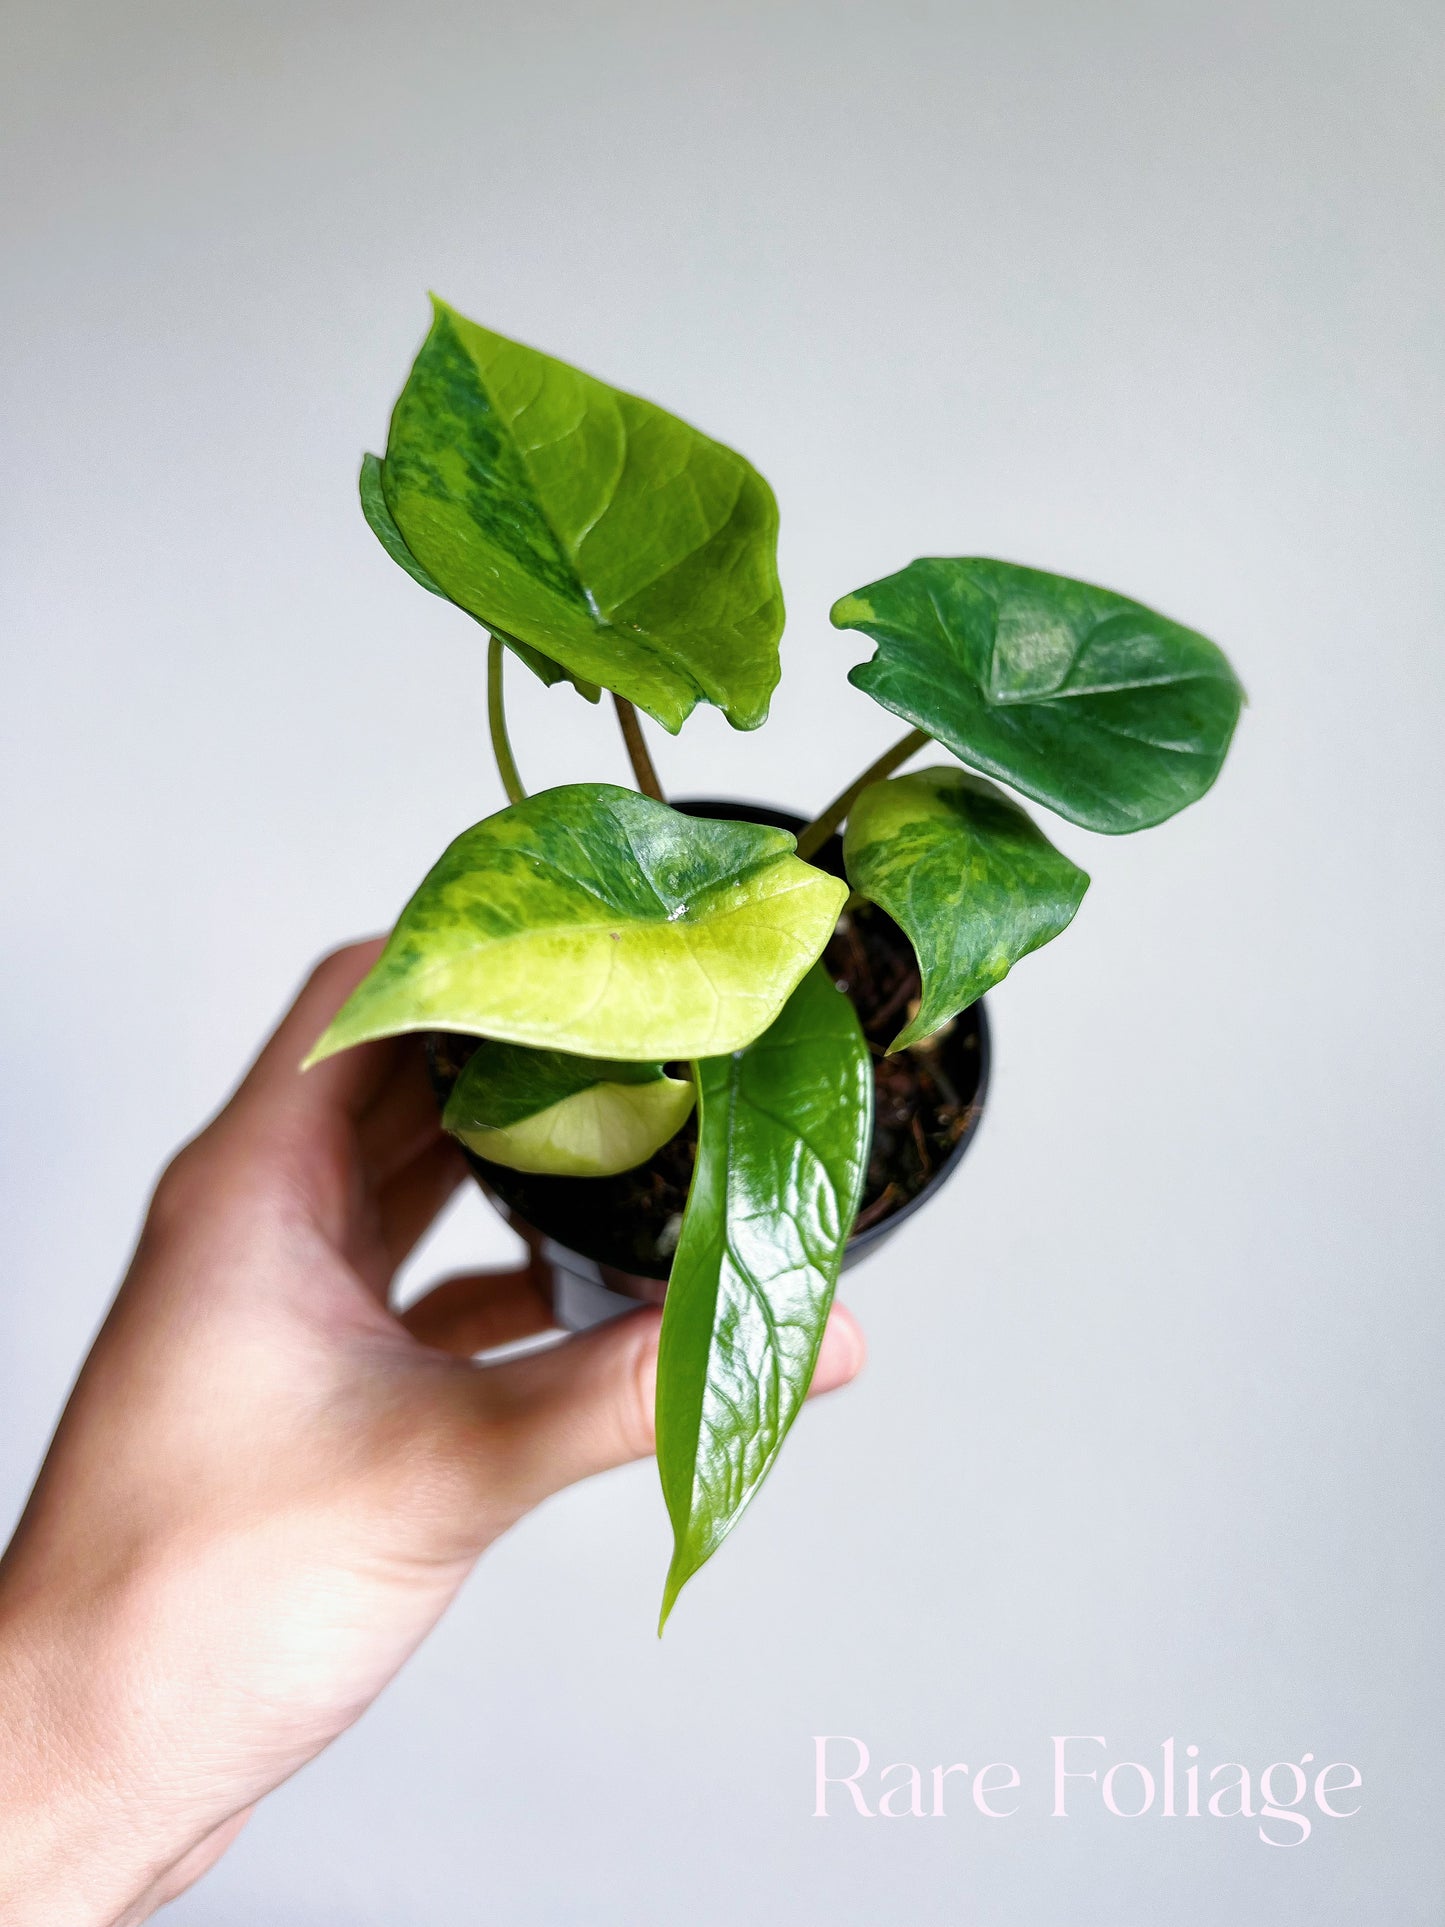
(840, 894)
(342, 1033)
(849, 611)
(915, 1032)
(671, 1591)
(324, 1047)
(748, 719)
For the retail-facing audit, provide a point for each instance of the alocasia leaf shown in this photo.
(783, 1134)
(594, 920)
(968, 876)
(579, 1117)
(379, 518)
(1108, 713)
(585, 523)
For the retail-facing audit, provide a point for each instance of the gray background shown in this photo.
(1150, 1442)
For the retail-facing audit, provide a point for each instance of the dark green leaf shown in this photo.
(783, 1133)
(594, 920)
(973, 882)
(587, 524)
(546, 1110)
(1108, 713)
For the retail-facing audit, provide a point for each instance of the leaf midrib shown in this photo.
(603, 622)
(434, 966)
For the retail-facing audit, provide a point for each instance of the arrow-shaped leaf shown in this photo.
(580, 1117)
(586, 524)
(594, 920)
(968, 876)
(783, 1134)
(1106, 712)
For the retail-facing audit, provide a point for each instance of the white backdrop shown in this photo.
(1150, 1443)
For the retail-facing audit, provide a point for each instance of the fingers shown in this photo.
(587, 1406)
(479, 1310)
(582, 1407)
(380, 1094)
(347, 1082)
(408, 1205)
(402, 1120)
(842, 1354)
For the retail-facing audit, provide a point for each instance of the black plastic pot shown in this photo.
(580, 1224)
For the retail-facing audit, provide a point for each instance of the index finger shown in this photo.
(346, 1083)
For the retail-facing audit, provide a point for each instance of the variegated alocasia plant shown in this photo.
(625, 965)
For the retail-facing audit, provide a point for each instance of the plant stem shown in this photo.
(497, 723)
(812, 839)
(637, 749)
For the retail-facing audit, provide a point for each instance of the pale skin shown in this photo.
(267, 1485)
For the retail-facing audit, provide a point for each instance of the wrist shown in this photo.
(81, 1841)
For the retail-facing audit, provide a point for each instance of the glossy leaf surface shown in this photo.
(974, 883)
(783, 1134)
(581, 1117)
(587, 524)
(594, 920)
(1096, 706)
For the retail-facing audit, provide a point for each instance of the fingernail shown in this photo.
(842, 1353)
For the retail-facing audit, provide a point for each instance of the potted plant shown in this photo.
(685, 1039)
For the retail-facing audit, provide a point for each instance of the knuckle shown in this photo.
(640, 1407)
(340, 962)
(178, 1186)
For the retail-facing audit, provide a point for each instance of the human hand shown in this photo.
(267, 1486)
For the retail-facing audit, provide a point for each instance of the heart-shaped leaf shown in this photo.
(586, 524)
(579, 1117)
(1108, 713)
(594, 920)
(969, 877)
(783, 1133)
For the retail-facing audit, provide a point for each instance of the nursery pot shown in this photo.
(608, 1242)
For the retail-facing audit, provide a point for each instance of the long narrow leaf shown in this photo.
(783, 1134)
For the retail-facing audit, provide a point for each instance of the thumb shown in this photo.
(586, 1405)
